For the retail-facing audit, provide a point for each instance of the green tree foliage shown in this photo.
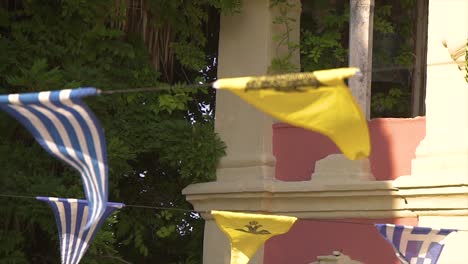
(281, 63)
(324, 44)
(158, 143)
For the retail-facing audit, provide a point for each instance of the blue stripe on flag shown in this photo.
(434, 251)
(383, 229)
(412, 249)
(445, 231)
(70, 216)
(398, 231)
(29, 98)
(66, 128)
(67, 226)
(421, 230)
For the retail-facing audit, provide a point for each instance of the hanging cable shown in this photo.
(154, 89)
(292, 83)
(195, 211)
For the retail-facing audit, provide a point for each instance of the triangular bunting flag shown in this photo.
(414, 244)
(71, 216)
(66, 128)
(322, 103)
(247, 232)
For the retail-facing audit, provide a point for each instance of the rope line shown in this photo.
(410, 67)
(208, 85)
(153, 89)
(194, 211)
(126, 205)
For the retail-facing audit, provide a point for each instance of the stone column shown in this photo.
(442, 157)
(361, 22)
(336, 167)
(246, 48)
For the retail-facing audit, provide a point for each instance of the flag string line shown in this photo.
(208, 85)
(155, 89)
(195, 211)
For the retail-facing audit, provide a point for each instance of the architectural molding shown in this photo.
(360, 199)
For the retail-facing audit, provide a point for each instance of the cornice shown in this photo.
(329, 200)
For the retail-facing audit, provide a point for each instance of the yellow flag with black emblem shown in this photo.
(318, 101)
(248, 232)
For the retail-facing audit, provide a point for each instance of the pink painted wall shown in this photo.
(393, 142)
(308, 239)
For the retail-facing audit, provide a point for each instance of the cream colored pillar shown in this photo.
(246, 47)
(436, 189)
(442, 157)
(360, 50)
(337, 168)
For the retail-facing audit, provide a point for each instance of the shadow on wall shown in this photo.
(393, 141)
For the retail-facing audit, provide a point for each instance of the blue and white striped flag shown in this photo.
(66, 128)
(414, 244)
(71, 216)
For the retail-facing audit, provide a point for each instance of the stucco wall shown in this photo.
(393, 141)
(308, 239)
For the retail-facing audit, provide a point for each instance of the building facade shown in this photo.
(417, 173)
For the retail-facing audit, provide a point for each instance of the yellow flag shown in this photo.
(326, 107)
(247, 232)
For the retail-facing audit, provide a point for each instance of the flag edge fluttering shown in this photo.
(331, 77)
